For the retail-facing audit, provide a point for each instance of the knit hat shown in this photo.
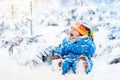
(83, 29)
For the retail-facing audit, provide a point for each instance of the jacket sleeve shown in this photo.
(60, 49)
(92, 46)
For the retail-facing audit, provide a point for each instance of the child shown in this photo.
(79, 43)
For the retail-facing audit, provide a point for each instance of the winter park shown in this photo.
(32, 30)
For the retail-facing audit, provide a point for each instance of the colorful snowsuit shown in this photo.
(72, 48)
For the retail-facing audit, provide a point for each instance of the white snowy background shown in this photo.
(23, 45)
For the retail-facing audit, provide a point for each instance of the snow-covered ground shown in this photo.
(21, 53)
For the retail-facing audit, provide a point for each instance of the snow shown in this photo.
(21, 53)
(104, 71)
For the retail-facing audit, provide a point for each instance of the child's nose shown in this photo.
(71, 31)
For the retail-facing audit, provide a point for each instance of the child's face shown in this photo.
(74, 33)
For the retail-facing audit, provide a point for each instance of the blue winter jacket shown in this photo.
(73, 48)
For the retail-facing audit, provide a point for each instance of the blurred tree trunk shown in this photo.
(31, 25)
